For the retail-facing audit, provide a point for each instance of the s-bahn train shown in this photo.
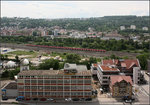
(66, 48)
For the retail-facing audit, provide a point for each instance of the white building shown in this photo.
(24, 64)
(133, 27)
(136, 75)
(104, 72)
(94, 68)
(122, 28)
(145, 28)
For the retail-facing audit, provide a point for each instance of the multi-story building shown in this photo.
(94, 69)
(104, 72)
(57, 84)
(120, 86)
(125, 66)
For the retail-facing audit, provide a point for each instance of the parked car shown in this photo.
(82, 99)
(28, 99)
(4, 98)
(43, 99)
(35, 99)
(88, 99)
(128, 101)
(50, 99)
(75, 99)
(20, 98)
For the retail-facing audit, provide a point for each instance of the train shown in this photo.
(66, 48)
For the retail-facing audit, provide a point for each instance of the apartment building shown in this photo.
(120, 86)
(94, 68)
(104, 72)
(72, 82)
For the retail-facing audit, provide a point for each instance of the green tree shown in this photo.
(72, 58)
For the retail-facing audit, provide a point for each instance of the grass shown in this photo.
(22, 52)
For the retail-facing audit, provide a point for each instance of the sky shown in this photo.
(73, 9)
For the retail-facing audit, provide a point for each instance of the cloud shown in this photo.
(72, 9)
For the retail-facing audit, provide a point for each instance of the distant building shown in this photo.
(145, 28)
(133, 27)
(112, 36)
(122, 28)
(120, 86)
(72, 82)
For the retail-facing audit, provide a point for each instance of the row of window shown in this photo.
(54, 77)
(54, 93)
(56, 87)
(56, 81)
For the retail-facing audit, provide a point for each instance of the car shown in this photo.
(128, 101)
(28, 99)
(35, 99)
(75, 99)
(88, 99)
(43, 99)
(20, 98)
(50, 99)
(4, 98)
(82, 99)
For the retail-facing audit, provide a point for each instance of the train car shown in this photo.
(67, 48)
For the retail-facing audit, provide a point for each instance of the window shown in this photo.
(53, 87)
(60, 87)
(60, 81)
(53, 81)
(33, 81)
(66, 81)
(87, 81)
(27, 87)
(34, 93)
(21, 93)
(40, 87)
(67, 87)
(80, 81)
(47, 81)
(40, 93)
(47, 93)
(73, 81)
(20, 81)
(27, 81)
(20, 87)
(40, 81)
(27, 93)
(47, 87)
(34, 87)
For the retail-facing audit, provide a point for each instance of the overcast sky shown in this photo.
(73, 9)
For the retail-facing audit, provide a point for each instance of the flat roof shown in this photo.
(51, 72)
(108, 68)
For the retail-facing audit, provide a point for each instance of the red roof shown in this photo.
(95, 65)
(118, 78)
(108, 68)
(111, 62)
(128, 63)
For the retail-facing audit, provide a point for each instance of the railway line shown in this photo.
(81, 51)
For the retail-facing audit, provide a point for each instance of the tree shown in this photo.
(72, 58)
(143, 60)
(50, 63)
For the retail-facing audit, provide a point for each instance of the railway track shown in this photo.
(86, 53)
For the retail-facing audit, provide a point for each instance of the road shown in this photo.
(87, 53)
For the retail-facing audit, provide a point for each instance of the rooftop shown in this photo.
(11, 85)
(118, 78)
(108, 68)
(50, 72)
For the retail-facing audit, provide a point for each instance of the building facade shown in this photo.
(120, 86)
(56, 84)
(104, 72)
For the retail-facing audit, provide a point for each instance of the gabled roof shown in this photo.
(128, 63)
(118, 78)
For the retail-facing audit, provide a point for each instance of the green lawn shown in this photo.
(23, 52)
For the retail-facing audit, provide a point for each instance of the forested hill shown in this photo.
(106, 23)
